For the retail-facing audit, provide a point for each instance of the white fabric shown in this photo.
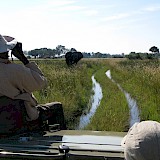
(19, 81)
(7, 43)
(142, 141)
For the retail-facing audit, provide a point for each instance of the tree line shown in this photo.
(60, 51)
(153, 55)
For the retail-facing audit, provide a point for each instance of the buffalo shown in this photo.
(73, 57)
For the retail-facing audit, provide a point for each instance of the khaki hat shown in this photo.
(142, 141)
(7, 43)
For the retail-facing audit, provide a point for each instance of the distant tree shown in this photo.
(141, 56)
(42, 53)
(134, 55)
(154, 49)
(49, 53)
(34, 53)
(150, 56)
(98, 55)
(86, 55)
(106, 55)
(61, 50)
(117, 56)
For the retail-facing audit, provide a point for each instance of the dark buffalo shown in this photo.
(73, 57)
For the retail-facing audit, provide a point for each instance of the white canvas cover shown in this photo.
(142, 141)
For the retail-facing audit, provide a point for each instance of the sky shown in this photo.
(106, 26)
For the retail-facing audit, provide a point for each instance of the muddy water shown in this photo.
(132, 104)
(95, 101)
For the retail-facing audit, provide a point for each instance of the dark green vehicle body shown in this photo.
(64, 144)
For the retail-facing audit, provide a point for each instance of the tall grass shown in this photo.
(70, 86)
(113, 112)
(142, 80)
(73, 88)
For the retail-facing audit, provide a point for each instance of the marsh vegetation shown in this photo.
(73, 88)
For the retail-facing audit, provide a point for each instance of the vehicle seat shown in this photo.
(11, 115)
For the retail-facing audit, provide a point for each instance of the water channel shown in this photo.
(96, 99)
(132, 104)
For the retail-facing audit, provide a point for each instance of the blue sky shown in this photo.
(106, 26)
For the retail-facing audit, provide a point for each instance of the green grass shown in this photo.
(113, 112)
(73, 88)
(142, 80)
(70, 86)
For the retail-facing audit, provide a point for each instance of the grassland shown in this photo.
(70, 86)
(73, 88)
(142, 80)
(113, 112)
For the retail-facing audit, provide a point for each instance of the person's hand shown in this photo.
(18, 52)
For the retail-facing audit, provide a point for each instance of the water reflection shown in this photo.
(95, 101)
(134, 112)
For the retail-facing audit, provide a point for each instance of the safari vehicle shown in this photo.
(63, 144)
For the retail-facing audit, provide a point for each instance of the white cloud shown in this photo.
(152, 8)
(60, 2)
(116, 17)
(90, 12)
(71, 8)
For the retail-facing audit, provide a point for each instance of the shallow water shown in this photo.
(132, 104)
(95, 101)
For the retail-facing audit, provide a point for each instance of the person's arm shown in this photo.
(18, 52)
(32, 77)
